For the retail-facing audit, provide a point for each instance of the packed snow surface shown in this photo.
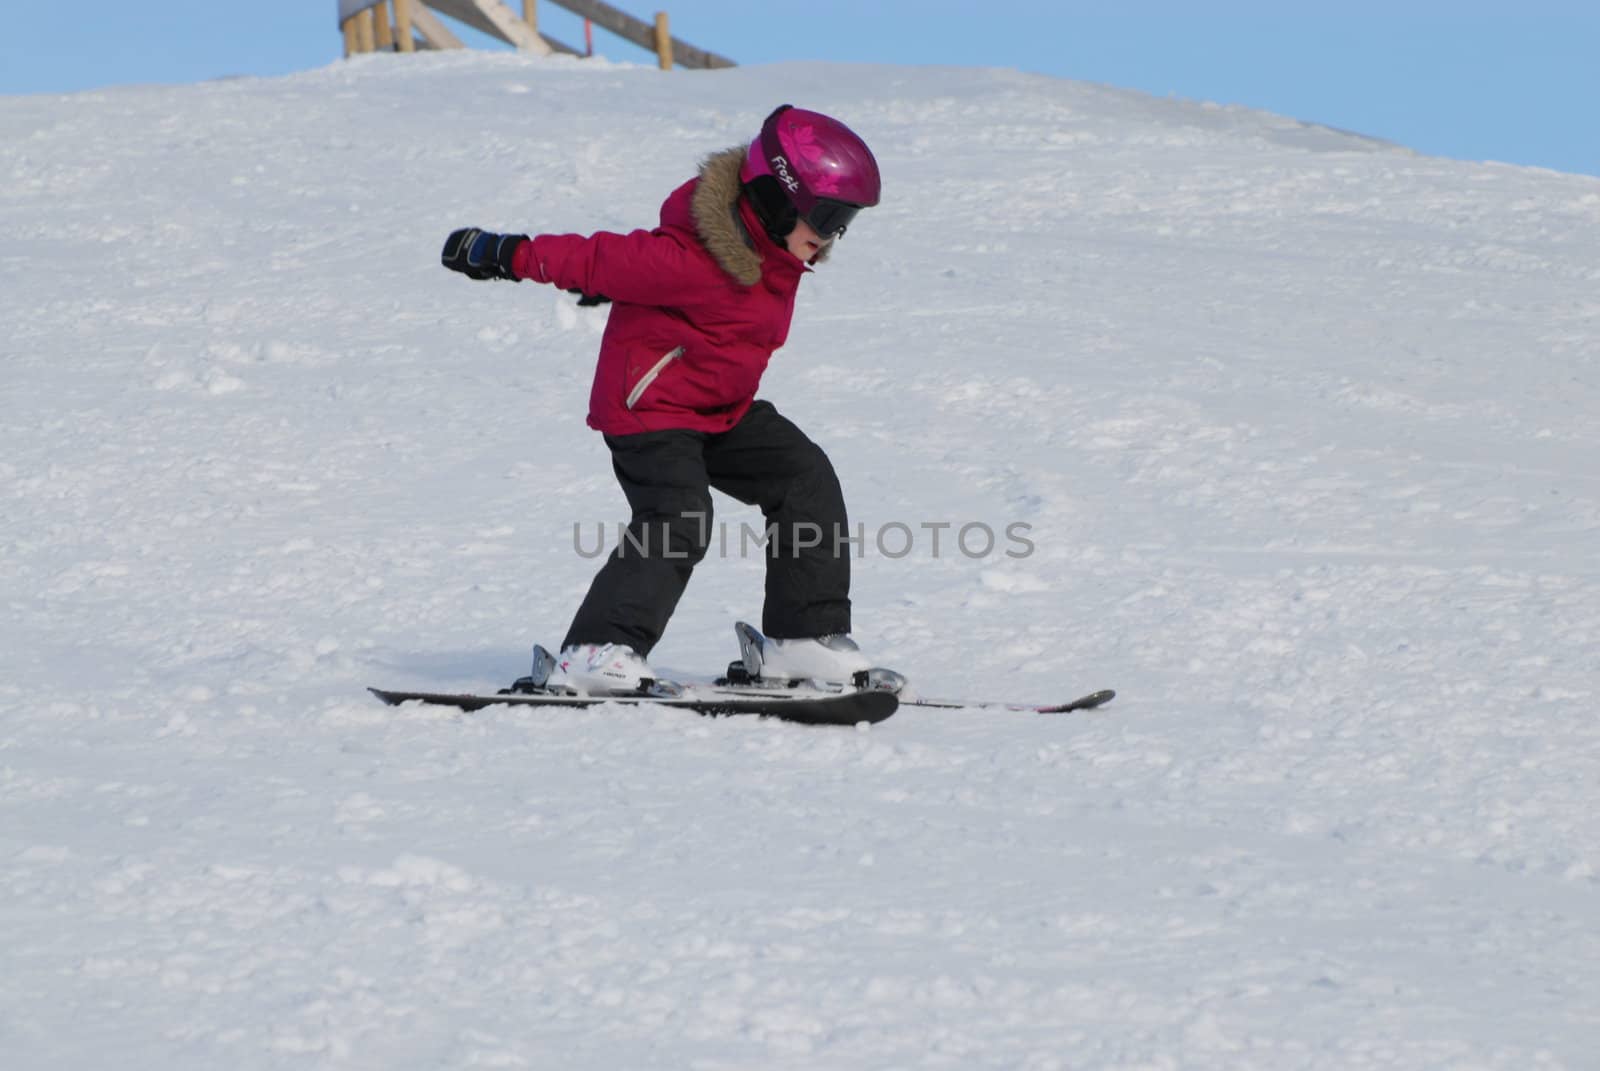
(1303, 427)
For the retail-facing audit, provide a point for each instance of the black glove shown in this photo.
(480, 254)
(586, 300)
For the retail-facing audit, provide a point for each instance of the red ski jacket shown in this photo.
(699, 305)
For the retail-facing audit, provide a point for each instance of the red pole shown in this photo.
(588, 37)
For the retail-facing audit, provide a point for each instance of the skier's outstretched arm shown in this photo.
(643, 267)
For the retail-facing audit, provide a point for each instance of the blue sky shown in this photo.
(1512, 82)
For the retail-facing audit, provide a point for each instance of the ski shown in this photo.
(734, 686)
(1092, 701)
(745, 675)
(872, 695)
(804, 708)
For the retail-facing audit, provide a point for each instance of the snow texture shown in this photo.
(1304, 426)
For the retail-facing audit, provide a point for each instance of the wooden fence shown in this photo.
(411, 25)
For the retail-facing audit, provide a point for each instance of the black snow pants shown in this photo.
(764, 461)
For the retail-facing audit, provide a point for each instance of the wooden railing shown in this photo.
(409, 25)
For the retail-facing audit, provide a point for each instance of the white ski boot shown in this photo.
(833, 659)
(596, 669)
(832, 662)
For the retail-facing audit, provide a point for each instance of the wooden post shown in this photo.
(663, 41)
(349, 28)
(364, 31)
(402, 25)
(641, 33)
(385, 28)
(434, 32)
(530, 14)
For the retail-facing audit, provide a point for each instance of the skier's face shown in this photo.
(804, 242)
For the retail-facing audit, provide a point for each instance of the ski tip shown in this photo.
(1088, 702)
(876, 706)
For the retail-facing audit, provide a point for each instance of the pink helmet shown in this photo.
(826, 172)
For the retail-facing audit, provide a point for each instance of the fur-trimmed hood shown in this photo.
(720, 224)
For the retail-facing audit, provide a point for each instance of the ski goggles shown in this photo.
(829, 218)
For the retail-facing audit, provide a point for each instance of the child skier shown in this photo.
(700, 304)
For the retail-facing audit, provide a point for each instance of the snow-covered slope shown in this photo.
(1304, 426)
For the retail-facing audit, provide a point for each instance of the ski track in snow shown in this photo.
(1303, 424)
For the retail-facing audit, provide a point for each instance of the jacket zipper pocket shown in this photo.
(650, 377)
